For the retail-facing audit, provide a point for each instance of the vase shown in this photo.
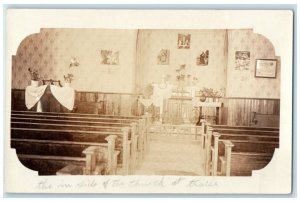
(202, 99)
(34, 83)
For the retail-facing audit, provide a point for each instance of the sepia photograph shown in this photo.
(156, 122)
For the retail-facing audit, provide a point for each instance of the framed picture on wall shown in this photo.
(184, 41)
(242, 60)
(266, 68)
(109, 57)
(163, 57)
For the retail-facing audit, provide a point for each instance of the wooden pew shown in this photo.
(48, 134)
(238, 147)
(95, 159)
(74, 118)
(49, 165)
(68, 121)
(241, 163)
(241, 127)
(138, 144)
(244, 140)
(249, 132)
(59, 117)
(52, 147)
(73, 114)
(67, 126)
(270, 120)
(141, 128)
(133, 136)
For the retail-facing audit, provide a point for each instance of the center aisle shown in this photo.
(171, 155)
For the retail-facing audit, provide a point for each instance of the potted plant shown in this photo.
(34, 75)
(68, 79)
(202, 95)
(208, 94)
(219, 95)
(182, 78)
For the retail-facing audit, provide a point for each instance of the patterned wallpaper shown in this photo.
(242, 83)
(150, 42)
(51, 50)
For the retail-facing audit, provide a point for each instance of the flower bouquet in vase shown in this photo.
(34, 75)
(68, 79)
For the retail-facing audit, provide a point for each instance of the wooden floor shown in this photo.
(172, 156)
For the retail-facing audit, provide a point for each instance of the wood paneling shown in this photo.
(177, 110)
(86, 102)
(235, 111)
(239, 111)
(18, 100)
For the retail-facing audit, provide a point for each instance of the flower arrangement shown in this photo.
(181, 73)
(209, 93)
(68, 78)
(206, 92)
(73, 62)
(33, 74)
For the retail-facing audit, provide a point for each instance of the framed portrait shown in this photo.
(265, 68)
(184, 41)
(242, 60)
(202, 59)
(163, 57)
(109, 57)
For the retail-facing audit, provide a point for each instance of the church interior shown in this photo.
(189, 102)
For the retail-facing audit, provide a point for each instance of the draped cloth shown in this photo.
(64, 95)
(33, 95)
(193, 91)
(160, 93)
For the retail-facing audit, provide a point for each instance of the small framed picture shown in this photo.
(184, 41)
(266, 68)
(163, 57)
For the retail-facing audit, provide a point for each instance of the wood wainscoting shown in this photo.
(124, 104)
(235, 111)
(239, 111)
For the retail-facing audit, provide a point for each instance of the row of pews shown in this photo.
(79, 144)
(237, 150)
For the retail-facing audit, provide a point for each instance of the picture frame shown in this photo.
(266, 68)
(184, 41)
(163, 57)
(109, 57)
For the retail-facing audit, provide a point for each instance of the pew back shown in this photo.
(223, 141)
(48, 132)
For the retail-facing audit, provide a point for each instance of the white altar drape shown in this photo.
(161, 92)
(64, 95)
(33, 95)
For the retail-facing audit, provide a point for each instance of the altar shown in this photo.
(184, 110)
(177, 110)
(211, 105)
